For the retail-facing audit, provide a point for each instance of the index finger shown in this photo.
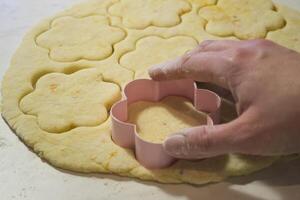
(209, 66)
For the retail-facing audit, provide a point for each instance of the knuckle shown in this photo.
(253, 50)
(239, 53)
(200, 140)
(205, 140)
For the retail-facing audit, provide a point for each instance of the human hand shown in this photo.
(264, 79)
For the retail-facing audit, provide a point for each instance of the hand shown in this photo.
(264, 79)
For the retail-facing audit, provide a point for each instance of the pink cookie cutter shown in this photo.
(124, 134)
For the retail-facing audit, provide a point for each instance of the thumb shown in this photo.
(208, 141)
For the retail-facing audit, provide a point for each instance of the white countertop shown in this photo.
(23, 175)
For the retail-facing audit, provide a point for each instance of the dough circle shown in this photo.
(70, 69)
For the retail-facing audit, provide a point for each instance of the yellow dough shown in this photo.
(289, 36)
(140, 14)
(70, 69)
(156, 120)
(62, 102)
(155, 50)
(245, 19)
(89, 38)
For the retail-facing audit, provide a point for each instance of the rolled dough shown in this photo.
(70, 68)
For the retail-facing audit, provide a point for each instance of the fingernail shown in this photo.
(188, 53)
(173, 144)
(153, 69)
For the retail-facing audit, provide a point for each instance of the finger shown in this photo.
(201, 47)
(214, 45)
(218, 45)
(208, 141)
(206, 67)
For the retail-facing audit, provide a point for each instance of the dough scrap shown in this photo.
(62, 102)
(90, 148)
(245, 19)
(88, 38)
(156, 120)
(155, 50)
(140, 14)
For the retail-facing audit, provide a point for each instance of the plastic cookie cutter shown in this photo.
(124, 134)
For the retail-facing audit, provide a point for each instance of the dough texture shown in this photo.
(245, 19)
(155, 121)
(289, 36)
(155, 50)
(89, 38)
(62, 102)
(140, 14)
(70, 69)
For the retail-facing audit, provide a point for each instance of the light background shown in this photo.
(23, 175)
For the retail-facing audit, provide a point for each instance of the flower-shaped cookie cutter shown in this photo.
(124, 134)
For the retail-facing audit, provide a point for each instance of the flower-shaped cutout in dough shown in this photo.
(142, 13)
(245, 19)
(154, 50)
(62, 102)
(289, 36)
(71, 39)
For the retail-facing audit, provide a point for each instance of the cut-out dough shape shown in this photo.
(142, 13)
(289, 36)
(245, 19)
(71, 39)
(153, 50)
(62, 102)
(167, 116)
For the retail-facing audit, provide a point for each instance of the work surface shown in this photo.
(23, 175)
